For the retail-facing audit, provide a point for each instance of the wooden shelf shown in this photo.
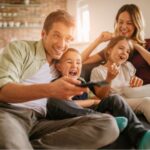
(6, 5)
(15, 16)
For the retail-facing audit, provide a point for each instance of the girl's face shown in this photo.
(125, 26)
(119, 53)
(70, 65)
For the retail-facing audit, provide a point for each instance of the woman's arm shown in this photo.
(103, 37)
(86, 53)
(93, 59)
(144, 53)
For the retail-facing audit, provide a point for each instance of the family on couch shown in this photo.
(26, 71)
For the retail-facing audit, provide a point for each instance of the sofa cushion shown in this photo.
(86, 70)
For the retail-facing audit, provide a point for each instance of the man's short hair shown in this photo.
(58, 16)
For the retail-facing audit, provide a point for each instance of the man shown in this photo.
(26, 72)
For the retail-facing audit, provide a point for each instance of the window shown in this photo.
(83, 22)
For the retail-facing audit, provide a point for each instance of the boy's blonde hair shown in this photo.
(64, 54)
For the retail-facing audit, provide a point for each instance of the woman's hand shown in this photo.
(105, 36)
(136, 81)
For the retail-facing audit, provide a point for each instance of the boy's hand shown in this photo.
(136, 81)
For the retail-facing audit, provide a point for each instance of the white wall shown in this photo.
(103, 12)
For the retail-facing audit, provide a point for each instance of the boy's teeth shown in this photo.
(73, 73)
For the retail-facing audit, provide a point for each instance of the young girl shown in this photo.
(70, 65)
(121, 75)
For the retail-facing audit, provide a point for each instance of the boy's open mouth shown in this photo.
(73, 73)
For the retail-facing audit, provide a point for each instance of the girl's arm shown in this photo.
(112, 72)
(87, 103)
(86, 58)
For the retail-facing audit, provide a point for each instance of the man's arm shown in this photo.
(15, 93)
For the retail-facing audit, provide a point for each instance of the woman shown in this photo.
(129, 22)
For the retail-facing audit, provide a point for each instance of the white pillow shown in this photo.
(137, 92)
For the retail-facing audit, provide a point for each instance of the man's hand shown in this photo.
(136, 81)
(65, 87)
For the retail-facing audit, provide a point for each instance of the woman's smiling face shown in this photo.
(125, 26)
